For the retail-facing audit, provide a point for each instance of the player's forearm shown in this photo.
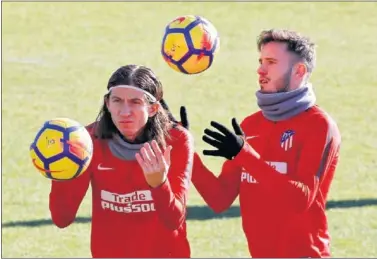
(170, 209)
(213, 194)
(62, 206)
(214, 191)
(64, 201)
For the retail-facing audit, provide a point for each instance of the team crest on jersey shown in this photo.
(286, 141)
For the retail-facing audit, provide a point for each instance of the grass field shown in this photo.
(57, 58)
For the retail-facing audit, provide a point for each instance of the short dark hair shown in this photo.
(142, 77)
(302, 46)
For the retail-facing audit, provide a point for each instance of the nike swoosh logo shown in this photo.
(250, 137)
(44, 170)
(100, 167)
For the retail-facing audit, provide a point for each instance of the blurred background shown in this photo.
(57, 59)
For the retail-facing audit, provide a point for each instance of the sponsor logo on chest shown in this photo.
(281, 167)
(134, 202)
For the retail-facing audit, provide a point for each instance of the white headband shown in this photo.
(135, 88)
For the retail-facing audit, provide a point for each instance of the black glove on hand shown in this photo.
(183, 113)
(228, 145)
(184, 120)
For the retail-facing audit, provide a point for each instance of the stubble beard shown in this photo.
(284, 83)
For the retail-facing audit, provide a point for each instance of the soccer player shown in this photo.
(281, 160)
(139, 174)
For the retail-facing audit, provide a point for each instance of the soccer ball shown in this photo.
(62, 149)
(190, 44)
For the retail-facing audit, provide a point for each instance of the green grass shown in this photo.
(57, 58)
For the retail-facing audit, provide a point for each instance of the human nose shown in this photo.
(261, 70)
(125, 110)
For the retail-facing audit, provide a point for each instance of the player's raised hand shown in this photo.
(154, 162)
(228, 143)
(184, 120)
(183, 113)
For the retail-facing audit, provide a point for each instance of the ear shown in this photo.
(153, 109)
(300, 70)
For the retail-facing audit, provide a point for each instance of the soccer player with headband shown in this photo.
(139, 174)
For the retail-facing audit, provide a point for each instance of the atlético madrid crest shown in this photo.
(286, 141)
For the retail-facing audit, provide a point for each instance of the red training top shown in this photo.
(283, 193)
(129, 218)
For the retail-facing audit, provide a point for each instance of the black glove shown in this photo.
(183, 113)
(184, 120)
(228, 145)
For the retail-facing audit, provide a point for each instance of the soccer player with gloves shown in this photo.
(139, 174)
(281, 160)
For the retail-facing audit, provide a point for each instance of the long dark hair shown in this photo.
(157, 127)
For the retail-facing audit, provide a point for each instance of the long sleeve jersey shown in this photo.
(129, 218)
(282, 183)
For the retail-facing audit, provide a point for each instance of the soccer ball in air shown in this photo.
(190, 44)
(62, 149)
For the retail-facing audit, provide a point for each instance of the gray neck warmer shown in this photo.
(282, 106)
(123, 149)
